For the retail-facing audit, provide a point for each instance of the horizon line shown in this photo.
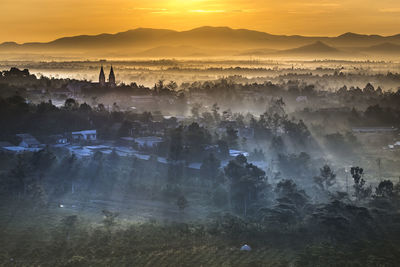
(195, 28)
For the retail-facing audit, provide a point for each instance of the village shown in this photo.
(85, 144)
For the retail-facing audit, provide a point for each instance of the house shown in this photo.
(28, 141)
(57, 139)
(148, 141)
(234, 153)
(396, 145)
(88, 135)
(142, 142)
(20, 149)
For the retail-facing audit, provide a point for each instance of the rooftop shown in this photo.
(86, 132)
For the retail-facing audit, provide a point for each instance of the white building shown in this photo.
(235, 153)
(28, 141)
(20, 149)
(148, 141)
(88, 135)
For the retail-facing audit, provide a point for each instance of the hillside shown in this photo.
(145, 41)
(317, 48)
(384, 48)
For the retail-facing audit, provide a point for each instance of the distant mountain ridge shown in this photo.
(314, 48)
(200, 40)
(384, 48)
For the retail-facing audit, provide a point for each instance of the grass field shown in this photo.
(55, 237)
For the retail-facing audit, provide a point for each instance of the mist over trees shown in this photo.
(211, 164)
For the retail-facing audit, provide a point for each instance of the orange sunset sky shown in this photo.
(45, 20)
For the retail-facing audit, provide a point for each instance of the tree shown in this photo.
(293, 165)
(196, 110)
(257, 154)
(288, 192)
(37, 193)
(326, 178)
(215, 112)
(159, 86)
(385, 189)
(71, 104)
(182, 202)
(247, 183)
(342, 90)
(176, 144)
(369, 89)
(277, 145)
(101, 108)
(113, 157)
(207, 118)
(297, 131)
(45, 107)
(360, 191)
(196, 138)
(85, 108)
(70, 167)
(109, 218)
(210, 167)
(115, 108)
(19, 178)
(276, 106)
(232, 137)
(172, 86)
(290, 204)
(43, 159)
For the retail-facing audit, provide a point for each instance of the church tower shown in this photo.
(102, 77)
(111, 78)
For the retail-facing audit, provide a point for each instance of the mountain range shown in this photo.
(211, 41)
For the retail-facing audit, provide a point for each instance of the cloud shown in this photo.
(150, 8)
(222, 11)
(207, 11)
(244, 10)
(154, 10)
(390, 10)
(322, 4)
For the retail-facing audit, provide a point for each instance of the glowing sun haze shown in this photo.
(45, 20)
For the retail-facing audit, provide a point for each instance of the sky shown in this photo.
(46, 20)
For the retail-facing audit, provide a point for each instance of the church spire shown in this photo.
(102, 77)
(111, 77)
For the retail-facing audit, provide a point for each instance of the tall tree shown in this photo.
(247, 183)
(361, 192)
(326, 178)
